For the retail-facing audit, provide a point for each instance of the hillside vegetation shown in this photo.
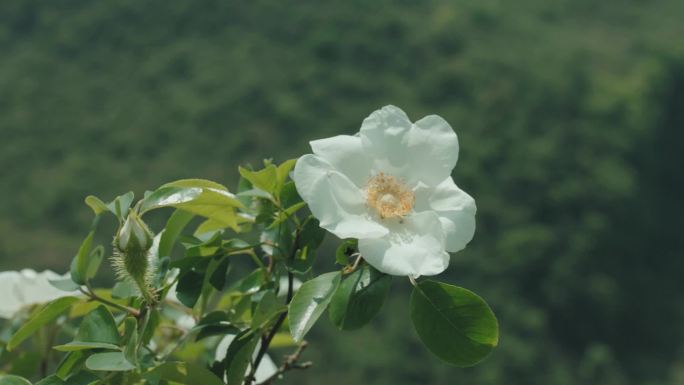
(570, 116)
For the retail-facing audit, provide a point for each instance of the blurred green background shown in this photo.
(570, 115)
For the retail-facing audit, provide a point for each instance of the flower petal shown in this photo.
(414, 247)
(337, 203)
(433, 147)
(425, 152)
(10, 303)
(346, 154)
(456, 210)
(28, 287)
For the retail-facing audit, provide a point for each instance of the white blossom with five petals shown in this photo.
(390, 186)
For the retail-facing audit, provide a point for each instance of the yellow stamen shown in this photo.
(389, 197)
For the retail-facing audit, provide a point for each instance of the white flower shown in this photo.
(266, 369)
(390, 186)
(27, 287)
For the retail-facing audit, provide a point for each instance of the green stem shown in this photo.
(91, 294)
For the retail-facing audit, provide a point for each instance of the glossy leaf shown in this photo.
(189, 287)
(130, 340)
(312, 234)
(94, 261)
(110, 362)
(121, 204)
(80, 267)
(50, 380)
(96, 204)
(289, 195)
(359, 298)
(454, 323)
(284, 170)
(48, 313)
(183, 373)
(217, 271)
(265, 179)
(200, 197)
(174, 226)
(68, 364)
(13, 380)
(239, 356)
(83, 345)
(310, 302)
(215, 323)
(267, 308)
(83, 378)
(287, 213)
(98, 326)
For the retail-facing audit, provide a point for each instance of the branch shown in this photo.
(95, 297)
(266, 340)
(290, 363)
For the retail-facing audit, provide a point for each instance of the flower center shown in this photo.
(389, 196)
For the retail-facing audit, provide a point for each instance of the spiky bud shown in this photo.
(131, 258)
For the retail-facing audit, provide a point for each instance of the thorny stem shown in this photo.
(91, 294)
(290, 363)
(266, 340)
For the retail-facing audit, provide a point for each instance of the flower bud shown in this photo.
(134, 235)
(132, 260)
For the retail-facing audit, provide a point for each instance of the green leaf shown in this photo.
(183, 373)
(70, 361)
(267, 309)
(287, 213)
(345, 250)
(98, 326)
(51, 380)
(239, 356)
(205, 198)
(13, 380)
(189, 287)
(217, 272)
(302, 261)
(265, 179)
(83, 378)
(64, 284)
(131, 340)
(310, 301)
(454, 323)
(284, 170)
(289, 195)
(94, 261)
(80, 265)
(84, 345)
(215, 323)
(109, 362)
(312, 234)
(124, 289)
(120, 205)
(277, 241)
(96, 204)
(174, 226)
(310, 238)
(48, 313)
(359, 298)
